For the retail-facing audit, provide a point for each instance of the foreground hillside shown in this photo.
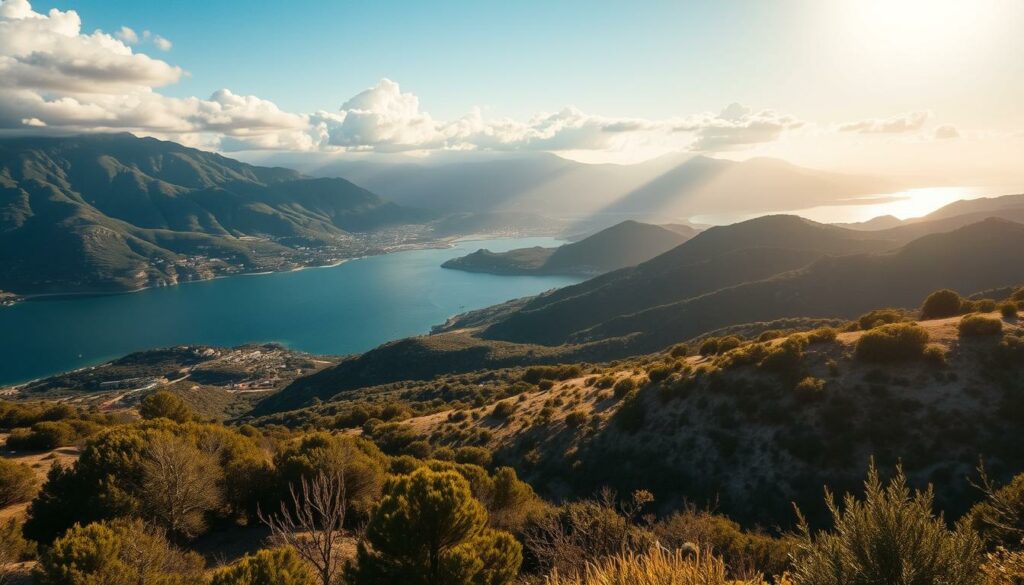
(748, 424)
(115, 212)
(767, 269)
(619, 246)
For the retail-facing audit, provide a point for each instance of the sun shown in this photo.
(915, 26)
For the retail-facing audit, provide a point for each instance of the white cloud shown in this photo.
(127, 35)
(908, 122)
(946, 132)
(162, 43)
(59, 79)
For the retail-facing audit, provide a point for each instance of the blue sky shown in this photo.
(837, 83)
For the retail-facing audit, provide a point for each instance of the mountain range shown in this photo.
(597, 195)
(624, 244)
(115, 212)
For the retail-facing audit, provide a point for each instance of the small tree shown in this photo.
(17, 483)
(120, 552)
(180, 485)
(311, 523)
(941, 303)
(281, 566)
(164, 404)
(429, 530)
(889, 537)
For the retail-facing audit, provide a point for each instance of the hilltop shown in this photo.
(624, 244)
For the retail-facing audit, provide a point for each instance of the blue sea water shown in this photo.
(343, 309)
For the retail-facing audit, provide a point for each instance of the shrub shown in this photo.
(679, 350)
(164, 404)
(1018, 295)
(999, 518)
(631, 414)
(787, 357)
(604, 382)
(17, 483)
(657, 567)
(885, 537)
(659, 373)
(935, 356)
(985, 305)
(428, 528)
(545, 384)
(43, 436)
(709, 347)
(473, 456)
(576, 419)
(1010, 351)
(890, 343)
(821, 335)
(623, 387)
(280, 566)
(120, 552)
(977, 325)
(503, 410)
(940, 304)
(13, 546)
(1008, 310)
(878, 317)
(809, 389)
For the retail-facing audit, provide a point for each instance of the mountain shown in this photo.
(625, 244)
(875, 223)
(984, 255)
(597, 195)
(115, 212)
(716, 258)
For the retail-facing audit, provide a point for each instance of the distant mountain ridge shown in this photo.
(114, 212)
(600, 195)
(624, 244)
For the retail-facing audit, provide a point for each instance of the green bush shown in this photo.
(280, 566)
(623, 387)
(576, 419)
(935, 356)
(886, 537)
(709, 347)
(878, 317)
(120, 552)
(1010, 351)
(978, 325)
(659, 373)
(43, 436)
(429, 529)
(821, 335)
(473, 456)
(940, 304)
(810, 389)
(1008, 310)
(17, 483)
(163, 404)
(503, 410)
(605, 381)
(985, 305)
(785, 358)
(999, 518)
(679, 350)
(13, 546)
(892, 343)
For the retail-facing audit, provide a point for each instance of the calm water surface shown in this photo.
(343, 309)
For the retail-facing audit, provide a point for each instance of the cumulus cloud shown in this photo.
(127, 35)
(162, 43)
(946, 132)
(908, 122)
(736, 126)
(58, 79)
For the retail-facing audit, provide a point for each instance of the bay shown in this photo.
(343, 309)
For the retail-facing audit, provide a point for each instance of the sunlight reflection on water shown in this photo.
(902, 204)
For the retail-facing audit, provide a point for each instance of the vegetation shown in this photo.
(17, 483)
(166, 405)
(892, 343)
(942, 303)
(280, 566)
(979, 325)
(429, 529)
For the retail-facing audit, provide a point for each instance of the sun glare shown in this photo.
(915, 26)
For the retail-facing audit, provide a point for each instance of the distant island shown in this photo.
(624, 244)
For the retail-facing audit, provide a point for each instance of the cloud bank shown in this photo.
(59, 79)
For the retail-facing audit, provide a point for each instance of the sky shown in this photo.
(929, 89)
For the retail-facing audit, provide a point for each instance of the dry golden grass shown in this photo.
(656, 568)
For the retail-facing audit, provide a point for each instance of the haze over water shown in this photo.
(339, 310)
